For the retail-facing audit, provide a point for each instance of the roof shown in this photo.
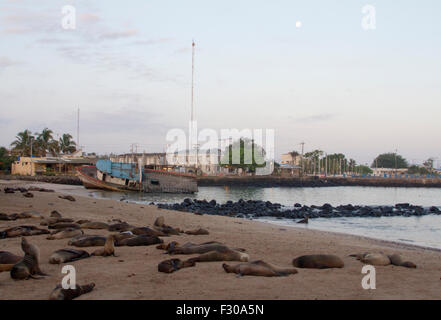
(64, 160)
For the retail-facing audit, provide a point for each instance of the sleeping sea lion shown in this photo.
(258, 268)
(69, 294)
(67, 255)
(123, 235)
(191, 248)
(22, 231)
(396, 260)
(147, 231)
(81, 221)
(197, 232)
(142, 240)
(120, 227)
(65, 233)
(172, 265)
(8, 217)
(87, 241)
(94, 225)
(29, 265)
(64, 225)
(162, 227)
(9, 258)
(70, 198)
(221, 255)
(380, 259)
(318, 261)
(108, 250)
(166, 246)
(29, 214)
(52, 221)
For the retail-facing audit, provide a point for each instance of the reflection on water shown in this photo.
(425, 231)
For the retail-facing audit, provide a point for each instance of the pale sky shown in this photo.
(127, 65)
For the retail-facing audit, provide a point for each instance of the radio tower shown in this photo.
(192, 81)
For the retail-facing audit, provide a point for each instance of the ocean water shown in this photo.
(423, 231)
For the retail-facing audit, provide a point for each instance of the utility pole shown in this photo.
(78, 128)
(32, 162)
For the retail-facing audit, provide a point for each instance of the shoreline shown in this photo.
(262, 240)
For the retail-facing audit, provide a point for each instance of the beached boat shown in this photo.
(117, 176)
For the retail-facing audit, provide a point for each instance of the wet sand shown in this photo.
(133, 273)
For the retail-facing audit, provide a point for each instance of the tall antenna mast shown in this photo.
(192, 81)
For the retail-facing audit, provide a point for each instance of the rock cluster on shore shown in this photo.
(259, 208)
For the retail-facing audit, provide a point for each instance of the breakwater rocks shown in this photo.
(69, 180)
(259, 208)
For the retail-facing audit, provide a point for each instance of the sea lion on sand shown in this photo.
(172, 265)
(55, 214)
(380, 259)
(166, 246)
(197, 232)
(22, 231)
(147, 231)
(8, 217)
(120, 227)
(160, 221)
(108, 250)
(258, 268)
(67, 255)
(29, 265)
(123, 235)
(9, 258)
(221, 255)
(304, 220)
(87, 241)
(65, 233)
(52, 221)
(162, 227)
(69, 294)
(70, 198)
(29, 214)
(64, 225)
(142, 240)
(6, 267)
(81, 221)
(191, 248)
(318, 261)
(94, 225)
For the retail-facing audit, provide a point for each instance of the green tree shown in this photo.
(361, 169)
(67, 145)
(417, 170)
(5, 159)
(22, 143)
(390, 160)
(46, 143)
(244, 154)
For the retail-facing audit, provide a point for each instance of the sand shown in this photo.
(133, 273)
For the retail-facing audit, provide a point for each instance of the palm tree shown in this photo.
(46, 142)
(66, 144)
(22, 143)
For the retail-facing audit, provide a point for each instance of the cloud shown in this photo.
(6, 62)
(119, 34)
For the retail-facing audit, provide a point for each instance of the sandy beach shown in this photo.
(133, 273)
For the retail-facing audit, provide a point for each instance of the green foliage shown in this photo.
(389, 160)
(5, 160)
(244, 154)
(67, 145)
(417, 170)
(361, 169)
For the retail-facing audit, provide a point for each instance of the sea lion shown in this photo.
(221, 255)
(108, 250)
(9, 190)
(172, 265)
(52, 221)
(55, 214)
(70, 198)
(64, 225)
(142, 240)
(318, 261)
(29, 265)
(191, 248)
(22, 231)
(81, 221)
(9, 258)
(123, 235)
(258, 268)
(120, 227)
(94, 225)
(67, 255)
(147, 231)
(6, 267)
(87, 241)
(160, 221)
(69, 294)
(166, 246)
(197, 232)
(304, 220)
(65, 233)
(8, 217)
(29, 214)
(162, 227)
(380, 259)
